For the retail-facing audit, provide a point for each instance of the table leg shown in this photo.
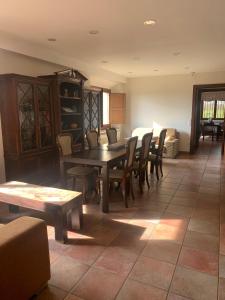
(76, 217)
(60, 226)
(62, 174)
(105, 193)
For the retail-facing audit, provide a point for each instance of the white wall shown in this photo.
(165, 101)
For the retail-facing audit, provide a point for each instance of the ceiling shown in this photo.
(187, 37)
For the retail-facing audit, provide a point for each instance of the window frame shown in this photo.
(215, 110)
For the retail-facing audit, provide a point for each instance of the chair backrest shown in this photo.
(130, 155)
(92, 139)
(162, 137)
(111, 135)
(146, 142)
(64, 143)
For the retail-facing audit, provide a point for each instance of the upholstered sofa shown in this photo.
(171, 141)
(24, 258)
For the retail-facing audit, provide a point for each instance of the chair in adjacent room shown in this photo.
(156, 156)
(124, 176)
(111, 135)
(140, 166)
(64, 143)
(208, 130)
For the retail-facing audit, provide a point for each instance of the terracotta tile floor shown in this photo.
(169, 244)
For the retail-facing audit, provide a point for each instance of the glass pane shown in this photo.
(25, 95)
(105, 108)
(95, 111)
(208, 109)
(44, 115)
(86, 112)
(220, 107)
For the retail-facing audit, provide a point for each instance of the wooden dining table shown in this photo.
(100, 157)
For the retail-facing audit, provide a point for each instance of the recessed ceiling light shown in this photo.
(93, 32)
(150, 22)
(51, 39)
(104, 61)
(176, 53)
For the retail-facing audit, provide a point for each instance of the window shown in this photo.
(220, 107)
(105, 109)
(208, 109)
(213, 109)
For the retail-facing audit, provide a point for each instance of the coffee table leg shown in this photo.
(77, 217)
(60, 226)
(105, 194)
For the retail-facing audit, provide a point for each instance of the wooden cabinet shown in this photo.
(117, 108)
(92, 111)
(67, 88)
(27, 124)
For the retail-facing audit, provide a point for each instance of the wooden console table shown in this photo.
(65, 206)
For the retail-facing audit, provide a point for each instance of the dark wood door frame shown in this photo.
(196, 110)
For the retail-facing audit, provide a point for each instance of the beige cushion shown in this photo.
(171, 132)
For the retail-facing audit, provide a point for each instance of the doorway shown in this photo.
(197, 109)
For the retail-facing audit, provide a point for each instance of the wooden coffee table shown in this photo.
(64, 205)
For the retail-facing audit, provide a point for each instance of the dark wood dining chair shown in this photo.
(92, 139)
(208, 130)
(111, 135)
(156, 156)
(64, 143)
(140, 166)
(124, 176)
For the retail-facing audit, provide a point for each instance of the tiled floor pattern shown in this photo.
(169, 244)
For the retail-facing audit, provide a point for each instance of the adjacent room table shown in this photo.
(100, 157)
(65, 206)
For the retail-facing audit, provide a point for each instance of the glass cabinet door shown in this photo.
(87, 120)
(44, 113)
(25, 94)
(95, 115)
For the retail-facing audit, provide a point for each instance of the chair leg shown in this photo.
(124, 192)
(84, 190)
(146, 176)
(131, 187)
(152, 167)
(160, 165)
(157, 170)
(140, 183)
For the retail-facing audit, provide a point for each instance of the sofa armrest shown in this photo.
(170, 142)
(24, 258)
